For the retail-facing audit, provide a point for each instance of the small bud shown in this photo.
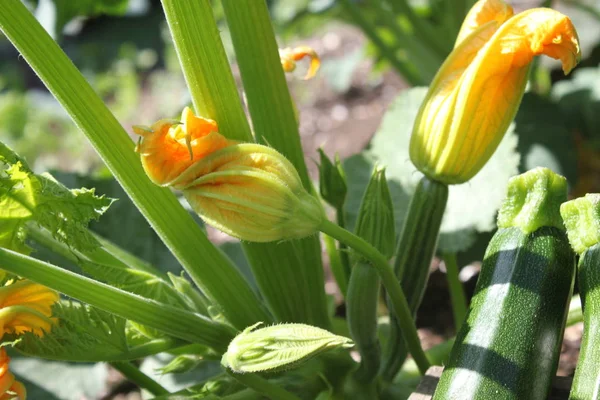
(181, 364)
(533, 200)
(332, 181)
(278, 347)
(582, 219)
(289, 57)
(375, 222)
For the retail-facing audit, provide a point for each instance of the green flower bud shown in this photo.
(181, 364)
(278, 347)
(332, 181)
(375, 222)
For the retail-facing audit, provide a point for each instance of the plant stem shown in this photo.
(344, 254)
(207, 266)
(391, 284)
(457, 294)
(173, 321)
(289, 274)
(205, 66)
(386, 52)
(335, 264)
(263, 386)
(136, 376)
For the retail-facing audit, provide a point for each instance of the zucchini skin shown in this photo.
(586, 383)
(508, 348)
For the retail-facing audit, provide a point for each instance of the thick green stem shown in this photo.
(457, 293)
(415, 250)
(361, 304)
(386, 52)
(136, 376)
(398, 300)
(207, 266)
(344, 254)
(289, 274)
(205, 67)
(335, 263)
(586, 383)
(170, 320)
(263, 386)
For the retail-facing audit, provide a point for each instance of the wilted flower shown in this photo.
(247, 190)
(26, 306)
(10, 388)
(477, 91)
(289, 56)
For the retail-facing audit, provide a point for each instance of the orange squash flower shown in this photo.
(246, 190)
(10, 388)
(26, 306)
(476, 93)
(289, 57)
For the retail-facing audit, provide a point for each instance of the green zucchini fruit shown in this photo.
(582, 218)
(509, 345)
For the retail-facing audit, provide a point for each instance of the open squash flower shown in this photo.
(10, 388)
(289, 56)
(26, 306)
(246, 190)
(476, 93)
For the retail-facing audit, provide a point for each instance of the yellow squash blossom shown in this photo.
(247, 190)
(10, 388)
(289, 56)
(477, 91)
(26, 306)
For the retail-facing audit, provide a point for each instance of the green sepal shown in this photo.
(533, 200)
(278, 347)
(332, 180)
(582, 219)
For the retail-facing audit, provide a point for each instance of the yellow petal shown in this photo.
(476, 93)
(289, 57)
(481, 13)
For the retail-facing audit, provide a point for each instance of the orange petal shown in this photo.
(290, 56)
(481, 13)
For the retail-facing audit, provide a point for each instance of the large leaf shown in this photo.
(471, 206)
(27, 197)
(82, 333)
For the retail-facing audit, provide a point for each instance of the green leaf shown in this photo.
(471, 207)
(83, 333)
(27, 197)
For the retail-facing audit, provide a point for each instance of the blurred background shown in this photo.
(359, 106)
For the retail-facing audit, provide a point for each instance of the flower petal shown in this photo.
(481, 13)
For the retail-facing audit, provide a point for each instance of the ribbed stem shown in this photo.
(335, 263)
(457, 293)
(289, 274)
(399, 304)
(416, 248)
(170, 320)
(263, 386)
(206, 265)
(361, 304)
(586, 383)
(343, 250)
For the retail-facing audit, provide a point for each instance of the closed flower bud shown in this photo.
(332, 181)
(246, 190)
(278, 347)
(476, 93)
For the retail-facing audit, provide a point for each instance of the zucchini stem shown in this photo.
(391, 284)
(457, 293)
